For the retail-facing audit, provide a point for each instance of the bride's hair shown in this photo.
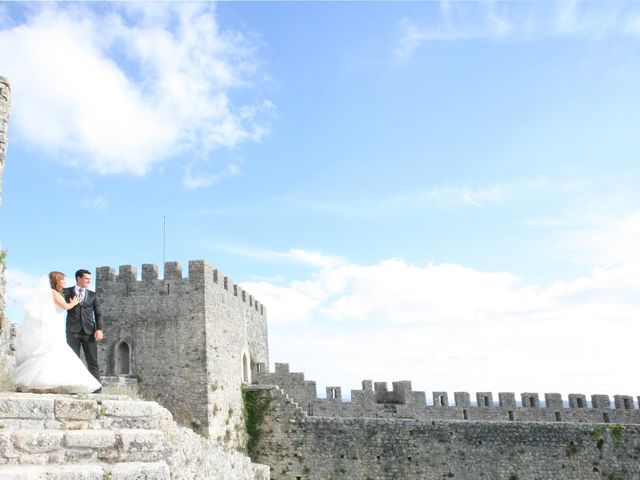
(56, 279)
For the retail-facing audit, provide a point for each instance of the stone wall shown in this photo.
(190, 340)
(375, 400)
(5, 102)
(236, 342)
(301, 447)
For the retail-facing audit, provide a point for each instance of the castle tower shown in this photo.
(5, 102)
(191, 341)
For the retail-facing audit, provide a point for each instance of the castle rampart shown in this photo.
(374, 400)
(301, 447)
(190, 340)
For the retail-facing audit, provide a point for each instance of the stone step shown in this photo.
(49, 411)
(54, 446)
(121, 384)
(118, 471)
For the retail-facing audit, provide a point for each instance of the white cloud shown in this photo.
(197, 180)
(504, 22)
(296, 255)
(453, 327)
(121, 91)
(482, 196)
(95, 202)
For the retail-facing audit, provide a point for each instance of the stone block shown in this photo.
(66, 409)
(127, 273)
(38, 441)
(462, 399)
(90, 438)
(530, 400)
(140, 470)
(149, 272)
(440, 399)
(623, 402)
(123, 408)
(23, 424)
(553, 401)
(75, 472)
(484, 399)
(577, 400)
(6, 446)
(507, 400)
(172, 271)
(80, 455)
(600, 402)
(141, 440)
(26, 407)
(22, 472)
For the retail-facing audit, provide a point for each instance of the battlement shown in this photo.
(376, 400)
(200, 275)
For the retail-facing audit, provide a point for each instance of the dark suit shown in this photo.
(82, 322)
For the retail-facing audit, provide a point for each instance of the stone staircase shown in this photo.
(108, 437)
(285, 398)
(81, 437)
(288, 400)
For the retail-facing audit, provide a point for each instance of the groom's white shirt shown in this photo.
(78, 292)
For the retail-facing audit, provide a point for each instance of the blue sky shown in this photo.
(440, 192)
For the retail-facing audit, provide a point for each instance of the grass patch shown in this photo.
(617, 431)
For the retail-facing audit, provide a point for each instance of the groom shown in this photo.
(84, 321)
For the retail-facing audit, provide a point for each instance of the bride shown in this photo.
(44, 361)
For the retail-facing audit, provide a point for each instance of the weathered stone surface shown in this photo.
(38, 441)
(90, 438)
(75, 472)
(52, 472)
(140, 445)
(192, 457)
(28, 407)
(67, 409)
(80, 455)
(139, 471)
(129, 409)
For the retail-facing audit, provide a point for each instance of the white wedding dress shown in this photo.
(44, 361)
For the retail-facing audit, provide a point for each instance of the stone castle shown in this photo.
(197, 344)
(195, 341)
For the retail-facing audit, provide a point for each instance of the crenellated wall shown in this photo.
(301, 447)
(376, 401)
(191, 341)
